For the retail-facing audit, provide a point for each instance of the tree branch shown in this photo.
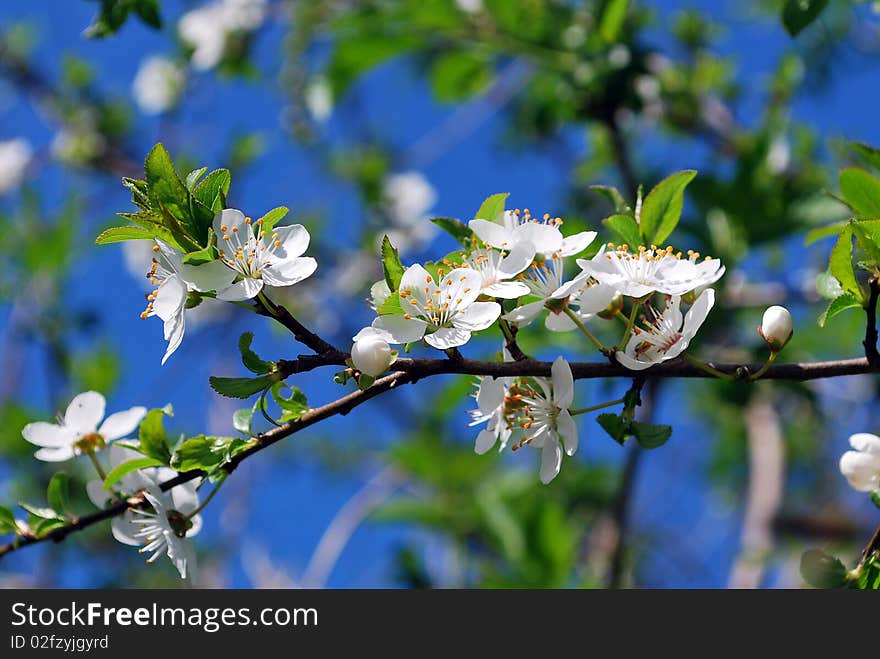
(870, 341)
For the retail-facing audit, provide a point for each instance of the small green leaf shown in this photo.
(249, 358)
(42, 513)
(861, 191)
(120, 234)
(649, 435)
(214, 187)
(391, 306)
(242, 420)
(273, 217)
(240, 387)
(840, 263)
(828, 286)
(614, 426)
(365, 381)
(148, 12)
(391, 264)
(612, 194)
(492, 208)
(875, 498)
(866, 236)
(153, 440)
(58, 493)
(661, 209)
(46, 526)
(193, 177)
(294, 405)
(824, 232)
(838, 305)
(611, 19)
(822, 570)
(624, 226)
(870, 154)
(798, 14)
(197, 453)
(7, 521)
(200, 257)
(121, 471)
(457, 75)
(457, 229)
(168, 192)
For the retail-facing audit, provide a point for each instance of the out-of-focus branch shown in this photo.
(766, 452)
(870, 341)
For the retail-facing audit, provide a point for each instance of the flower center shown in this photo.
(89, 443)
(249, 255)
(179, 523)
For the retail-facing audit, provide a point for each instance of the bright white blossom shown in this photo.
(262, 258)
(175, 280)
(168, 527)
(546, 421)
(498, 269)
(409, 197)
(544, 234)
(157, 85)
(78, 431)
(444, 314)
(776, 327)
(371, 353)
(667, 335)
(491, 396)
(651, 270)
(207, 28)
(861, 467)
(15, 156)
(318, 98)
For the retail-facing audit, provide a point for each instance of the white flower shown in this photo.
(470, 6)
(15, 156)
(776, 327)
(549, 424)
(183, 496)
(651, 271)
(862, 466)
(168, 527)
(244, 15)
(78, 431)
(272, 259)
(175, 280)
(497, 270)
(157, 85)
(491, 395)
(667, 335)
(444, 314)
(409, 196)
(204, 30)
(371, 353)
(318, 99)
(518, 227)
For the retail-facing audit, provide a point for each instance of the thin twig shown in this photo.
(870, 342)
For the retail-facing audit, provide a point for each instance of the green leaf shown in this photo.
(200, 257)
(459, 75)
(822, 570)
(148, 12)
(274, 216)
(861, 191)
(58, 493)
(457, 229)
(391, 264)
(624, 226)
(45, 526)
(42, 513)
(193, 177)
(240, 387)
(875, 498)
(249, 358)
(197, 453)
(824, 232)
(120, 234)
(167, 191)
(828, 286)
(7, 521)
(391, 306)
(611, 19)
(661, 209)
(867, 238)
(649, 435)
(357, 53)
(121, 471)
(614, 426)
(242, 420)
(840, 263)
(870, 154)
(840, 304)
(798, 14)
(492, 208)
(294, 405)
(153, 440)
(613, 195)
(214, 187)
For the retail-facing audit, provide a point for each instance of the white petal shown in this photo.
(596, 298)
(525, 314)
(478, 316)
(551, 460)
(546, 239)
(121, 424)
(170, 298)
(184, 497)
(246, 289)
(213, 276)
(485, 441)
(490, 395)
(577, 243)
(492, 233)
(862, 470)
(124, 531)
(172, 257)
(520, 258)
(559, 322)
(49, 435)
(85, 412)
(563, 383)
(414, 278)
(97, 494)
(698, 312)
(290, 271)
(397, 329)
(632, 364)
(59, 454)
(448, 337)
(567, 429)
(294, 240)
(173, 329)
(461, 287)
(230, 217)
(195, 528)
(865, 442)
(570, 287)
(507, 290)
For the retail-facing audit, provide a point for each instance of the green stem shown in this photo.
(587, 333)
(266, 303)
(207, 499)
(97, 465)
(757, 374)
(593, 408)
(630, 322)
(706, 368)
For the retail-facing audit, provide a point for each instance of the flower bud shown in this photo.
(614, 307)
(776, 327)
(371, 355)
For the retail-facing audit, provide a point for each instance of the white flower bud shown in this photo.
(776, 327)
(371, 354)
